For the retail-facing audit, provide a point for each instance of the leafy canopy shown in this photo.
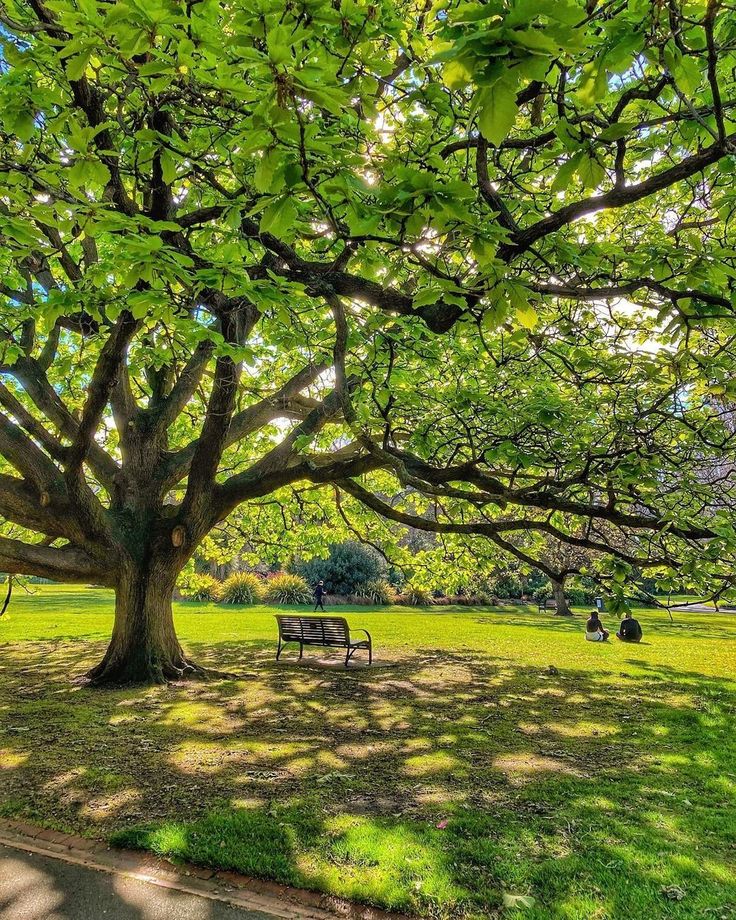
(485, 248)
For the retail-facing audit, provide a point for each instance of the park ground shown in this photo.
(494, 764)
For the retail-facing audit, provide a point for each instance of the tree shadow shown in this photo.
(433, 786)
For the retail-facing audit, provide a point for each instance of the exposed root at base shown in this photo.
(121, 675)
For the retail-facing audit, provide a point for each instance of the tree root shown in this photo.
(121, 673)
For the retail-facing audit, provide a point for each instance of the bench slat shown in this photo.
(327, 631)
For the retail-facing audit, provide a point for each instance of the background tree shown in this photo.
(348, 567)
(563, 559)
(246, 246)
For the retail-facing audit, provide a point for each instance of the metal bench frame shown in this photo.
(549, 604)
(334, 633)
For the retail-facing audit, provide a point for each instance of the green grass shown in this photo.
(498, 754)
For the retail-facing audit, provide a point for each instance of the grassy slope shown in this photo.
(590, 789)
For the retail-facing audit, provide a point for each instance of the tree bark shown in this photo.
(563, 608)
(144, 647)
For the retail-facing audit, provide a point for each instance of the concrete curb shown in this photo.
(218, 885)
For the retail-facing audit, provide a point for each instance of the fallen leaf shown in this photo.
(673, 892)
(518, 900)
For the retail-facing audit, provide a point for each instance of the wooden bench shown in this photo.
(327, 632)
(549, 604)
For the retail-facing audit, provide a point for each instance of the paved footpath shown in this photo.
(34, 887)
(45, 875)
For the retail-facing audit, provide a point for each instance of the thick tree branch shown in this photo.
(104, 378)
(246, 421)
(35, 383)
(53, 447)
(65, 564)
(26, 457)
(491, 529)
(212, 442)
(616, 197)
(50, 514)
(171, 407)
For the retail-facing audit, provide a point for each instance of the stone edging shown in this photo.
(239, 890)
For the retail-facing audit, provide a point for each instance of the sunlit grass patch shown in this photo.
(398, 864)
(202, 717)
(437, 762)
(11, 760)
(526, 766)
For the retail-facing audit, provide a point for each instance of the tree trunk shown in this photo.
(563, 609)
(144, 647)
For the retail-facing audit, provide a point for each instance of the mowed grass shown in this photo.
(494, 754)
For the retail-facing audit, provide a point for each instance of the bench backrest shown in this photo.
(549, 603)
(316, 630)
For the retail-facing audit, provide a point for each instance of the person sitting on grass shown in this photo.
(594, 631)
(319, 593)
(629, 630)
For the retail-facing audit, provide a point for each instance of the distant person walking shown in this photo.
(629, 630)
(319, 593)
(594, 631)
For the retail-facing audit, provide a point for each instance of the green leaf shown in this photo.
(457, 74)
(498, 109)
(76, 66)
(86, 172)
(23, 125)
(266, 178)
(617, 130)
(566, 172)
(279, 44)
(688, 74)
(426, 296)
(278, 217)
(527, 316)
(168, 166)
(591, 172)
(594, 83)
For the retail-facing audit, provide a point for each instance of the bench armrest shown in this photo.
(366, 632)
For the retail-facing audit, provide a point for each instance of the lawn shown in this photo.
(495, 755)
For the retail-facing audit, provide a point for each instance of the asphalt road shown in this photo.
(34, 887)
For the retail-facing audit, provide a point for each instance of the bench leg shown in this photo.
(301, 649)
(370, 655)
(347, 657)
(278, 651)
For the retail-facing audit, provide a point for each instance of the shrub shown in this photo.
(288, 589)
(348, 567)
(201, 588)
(376, 592)
(578, 596)
(418, 597)
(463, 600)
(242, 588)
(507, 586)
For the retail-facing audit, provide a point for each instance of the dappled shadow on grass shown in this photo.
(588, 791)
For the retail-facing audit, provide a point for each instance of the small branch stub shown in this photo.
(178, 535)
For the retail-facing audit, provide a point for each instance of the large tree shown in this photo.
(234, 236)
